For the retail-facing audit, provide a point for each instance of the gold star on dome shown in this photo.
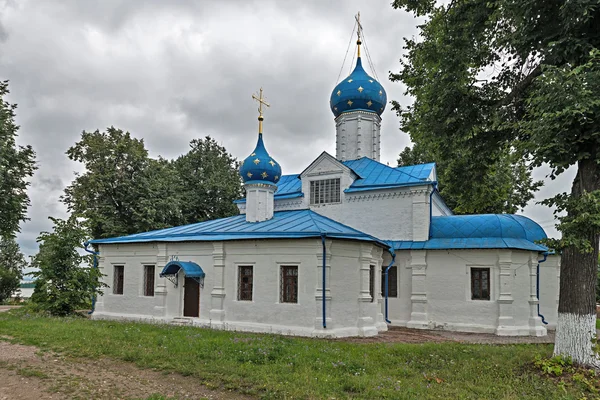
(252, 155)
(380, 93)
(350, 103)
(381, 109)
(264, 175)
(272, 163)
(249, 174)
(334, 108)
(349, 80)
(256, 161)
(369, 103)
(360, 89)
(276, 178)
(371, 80)
(339, 92)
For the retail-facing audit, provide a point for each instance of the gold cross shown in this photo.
(261, 100)
(358, 32)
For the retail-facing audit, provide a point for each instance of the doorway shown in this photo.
(191, 298)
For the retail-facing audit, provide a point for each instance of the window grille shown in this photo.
(289, 284)
(245, 283)
(148, 280)
(118, 279)
(325, 191)
(480, 283)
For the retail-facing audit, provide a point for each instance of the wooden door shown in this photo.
(191, 298)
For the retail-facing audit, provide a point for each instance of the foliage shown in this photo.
(556, 366)
(63, 282)
(210, 181)
(17, 164)
(568, 375)
(124, 191)
(273, 367)
(12, 263)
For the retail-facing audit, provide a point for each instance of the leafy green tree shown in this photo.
(12, 263)
(17, 163)
(64, 283)
(210, 181)
(123, 190)
(497, 78)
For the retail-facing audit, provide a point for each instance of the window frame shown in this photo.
(118, 284)
(148, 290)
(240, 277)
(284, 287)
(392, 281)
(372, 282)
(325, 191)
(476, 275)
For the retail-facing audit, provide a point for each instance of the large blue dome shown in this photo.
(259, 167)
(358, 91)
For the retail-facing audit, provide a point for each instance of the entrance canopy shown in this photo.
(191, 269)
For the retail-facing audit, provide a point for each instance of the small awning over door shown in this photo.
(191, 269)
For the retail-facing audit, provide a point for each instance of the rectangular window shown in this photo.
(118, 279)
(372, 282)
(325, 191)
(148, 280)
(392, 282)
(245, 283)
(289, 284)
(480, 283)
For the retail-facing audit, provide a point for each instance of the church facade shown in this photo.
(347, 247)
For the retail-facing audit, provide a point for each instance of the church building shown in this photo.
(348, 247)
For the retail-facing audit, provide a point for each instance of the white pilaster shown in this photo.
(161, 283)
(358, 135)
(421, 214)
(506, 324)
(418, 298)
(366, 303)
(217, 312)
(260, 203)
(99, 306)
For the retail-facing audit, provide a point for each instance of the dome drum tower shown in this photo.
(357, 103)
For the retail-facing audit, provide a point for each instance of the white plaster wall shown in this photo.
(549, 289)
(448, 291)
(347, 314)
(358, 135)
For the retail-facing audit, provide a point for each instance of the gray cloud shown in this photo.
(169, 72)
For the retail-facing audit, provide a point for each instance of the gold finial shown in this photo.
(358, 32)
(261, 101)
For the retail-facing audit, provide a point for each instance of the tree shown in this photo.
(12, 263)
(63, 283)
(17, 163)
(491, 78)
(210, 181)
(123, 190)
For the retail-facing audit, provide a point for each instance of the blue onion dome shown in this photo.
(259, 167)
(358, 91)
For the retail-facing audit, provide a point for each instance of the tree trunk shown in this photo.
(576, 328)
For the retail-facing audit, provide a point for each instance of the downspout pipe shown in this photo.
(537, 288)
(393, 254)
(324, 281)
(94, 265)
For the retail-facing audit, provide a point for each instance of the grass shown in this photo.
(271, 367)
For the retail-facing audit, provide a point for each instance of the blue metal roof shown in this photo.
(372, 174)
(375, 175)
(484, 231)
(284, 224)
(191, 269)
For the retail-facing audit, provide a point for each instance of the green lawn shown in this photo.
(270, 366)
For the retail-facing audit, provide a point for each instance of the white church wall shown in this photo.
(447, 293)
(549, 289)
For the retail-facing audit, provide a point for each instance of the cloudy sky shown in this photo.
(169, 72)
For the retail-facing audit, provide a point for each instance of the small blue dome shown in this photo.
(259, 167)
(358, 92)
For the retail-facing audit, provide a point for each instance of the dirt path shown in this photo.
(28, 374)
